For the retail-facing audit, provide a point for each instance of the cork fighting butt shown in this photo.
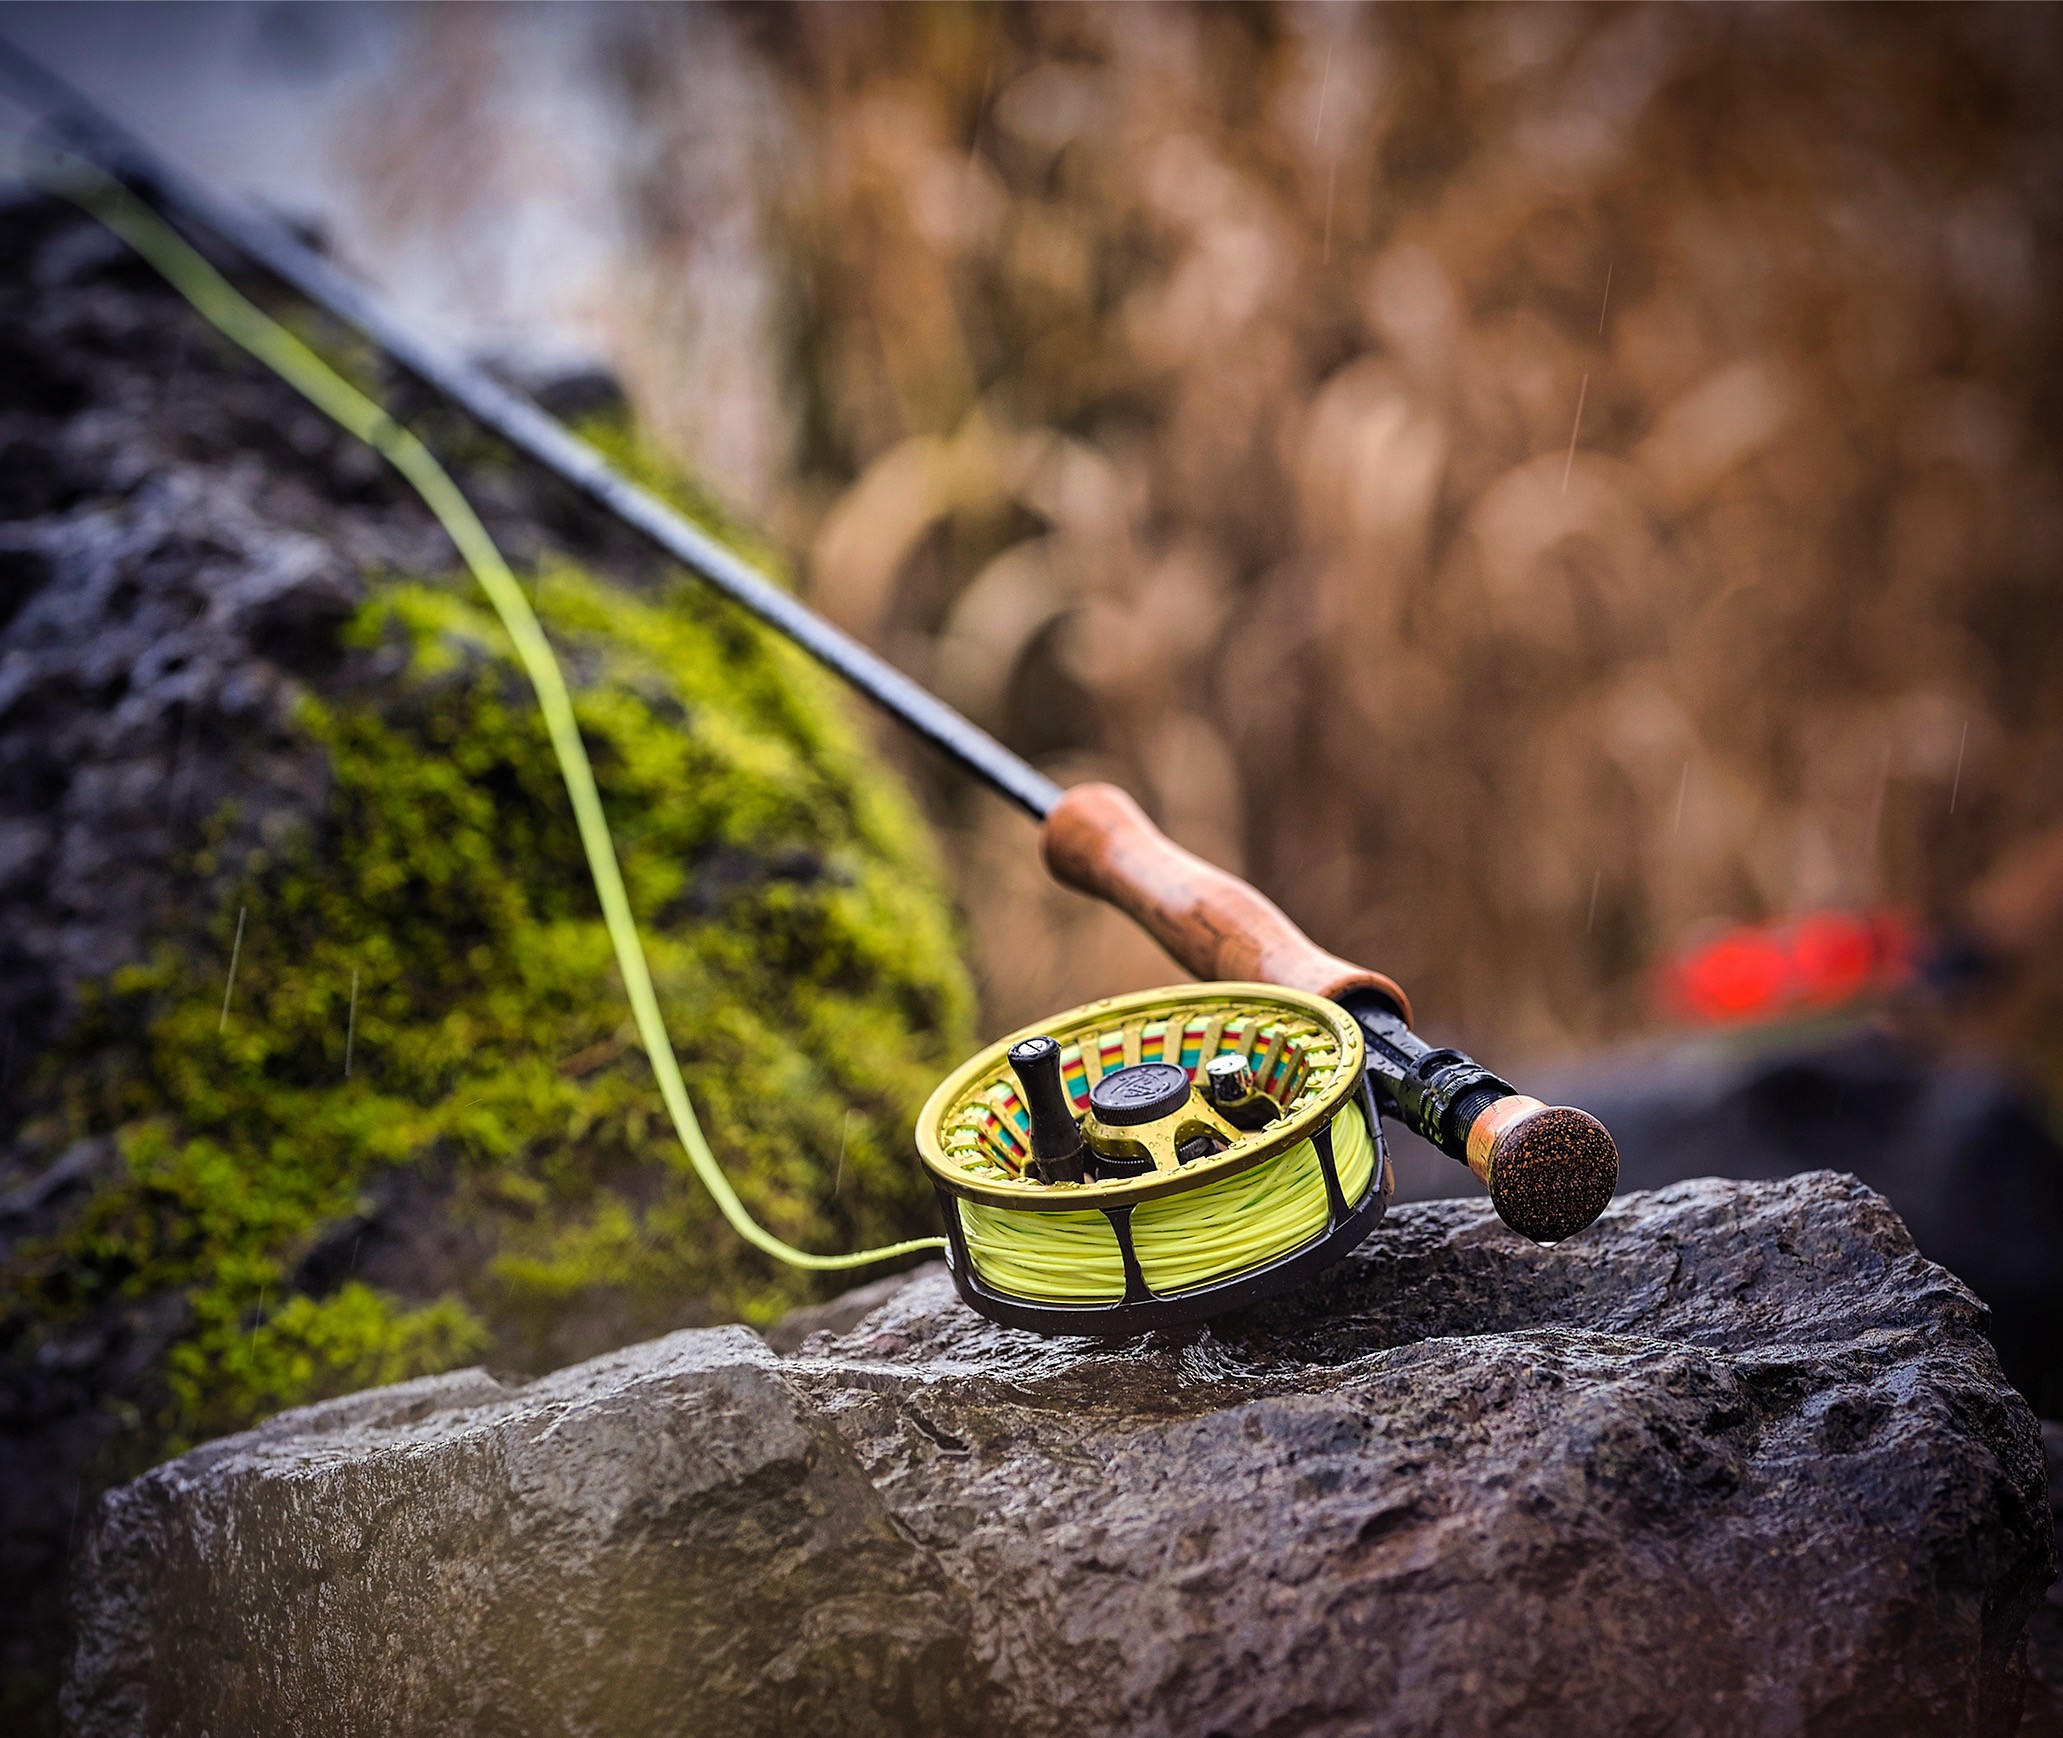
(1550, 1169)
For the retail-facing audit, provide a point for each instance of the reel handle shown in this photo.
(1099, 841)
(1550, 1169)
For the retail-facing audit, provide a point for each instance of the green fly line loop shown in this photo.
(230, 313)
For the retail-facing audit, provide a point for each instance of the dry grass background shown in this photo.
(1189, 395)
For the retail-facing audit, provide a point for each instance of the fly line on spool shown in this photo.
(1215, 1231)
(1150, 1159)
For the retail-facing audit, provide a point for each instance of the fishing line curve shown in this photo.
(218, 302)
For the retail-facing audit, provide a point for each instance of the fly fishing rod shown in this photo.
(1131, 1164)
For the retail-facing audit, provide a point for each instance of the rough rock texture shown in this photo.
(2043, 1715)
(177, 536)
(1736, 1460)
(178, 539)
(1964, 1152)
(202, 1220)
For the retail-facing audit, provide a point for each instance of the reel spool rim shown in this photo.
(1143, 1310)
(1025, 1196)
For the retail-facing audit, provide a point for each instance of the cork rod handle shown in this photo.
(1100, 842)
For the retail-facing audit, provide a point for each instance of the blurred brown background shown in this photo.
(1192, 395)
(1189, 394)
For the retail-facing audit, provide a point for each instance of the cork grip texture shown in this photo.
(1098, 841)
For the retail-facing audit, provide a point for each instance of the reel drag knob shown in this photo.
(1144, 1094)
(1055, 1135)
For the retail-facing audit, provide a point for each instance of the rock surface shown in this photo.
(201, 1225)
(1964, 1153)
(1736, 1460)
(2043, 1713)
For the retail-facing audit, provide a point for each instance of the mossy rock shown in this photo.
(437, 934)
(413, 1128)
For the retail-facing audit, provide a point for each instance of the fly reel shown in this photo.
(1157, 1158)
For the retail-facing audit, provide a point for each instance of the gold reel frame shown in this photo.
(961, 1140)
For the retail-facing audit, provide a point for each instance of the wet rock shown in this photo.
(168, 571)
(1963, 1152)
(2043, 1716)
(181, 536)
(1737, 1459)
(846, 1311)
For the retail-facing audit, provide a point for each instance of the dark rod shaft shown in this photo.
(95, 136)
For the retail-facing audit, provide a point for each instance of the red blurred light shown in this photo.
(1762, 971)
(1834, 955)
(1735, 978)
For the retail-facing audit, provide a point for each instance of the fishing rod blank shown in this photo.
(99, 139)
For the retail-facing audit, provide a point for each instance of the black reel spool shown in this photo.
(1155, 1159)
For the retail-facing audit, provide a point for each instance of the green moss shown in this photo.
(799, 941)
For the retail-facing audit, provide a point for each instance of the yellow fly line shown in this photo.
(1204, 1234)
(1183, 1240)
(245, 325)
